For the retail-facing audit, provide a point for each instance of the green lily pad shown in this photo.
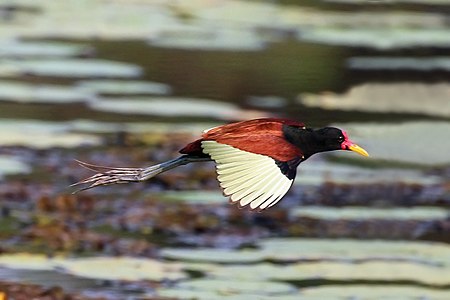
(291, 249)
(12, 165)
(364, 213)
(387, 98)
(206, 38)
(237, 287)
(366, 271)
(27, 261)
(316, 172)
(17, 48)
(122, 268)
(45, 134)
(267, 101)
(220, 295)
(295, 249)
(373, 292)
(399, 142)
(73, 68)
(425, 2)
(195, 197)
(375, 271)
(124, 87)
(380, 38)
(213, 255)
(169, 107)
(41, 93)
(399, 63)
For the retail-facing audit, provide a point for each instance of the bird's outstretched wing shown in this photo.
(248, 178)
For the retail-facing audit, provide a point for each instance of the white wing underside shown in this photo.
(248, 178)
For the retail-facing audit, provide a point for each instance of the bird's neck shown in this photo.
(305, 139)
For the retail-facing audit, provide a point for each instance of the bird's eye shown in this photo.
(341, 139)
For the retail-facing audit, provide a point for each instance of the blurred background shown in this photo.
(129, 82)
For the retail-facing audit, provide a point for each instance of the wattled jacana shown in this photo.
(256, 160)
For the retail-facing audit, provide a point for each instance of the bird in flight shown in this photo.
(256, 160)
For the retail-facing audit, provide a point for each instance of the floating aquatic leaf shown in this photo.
(41, 93)
(27, 261)
(399, 142)
(373, 292)
(267, 101)
(340, 271)
(44, 134)
(124, 87)
(318, 172)
(370, 271)
(78, 68)
(425, 2)
(206, 38)
(194, 197)
(217, 295)
(295, 249)
(122, 268)
(12, 165)
(169, 107)
(237, 287)
(364, 213)
(17, 48)
(387, 98)
(426, 64)
(291, 249)
(381, 38)
(213, 255)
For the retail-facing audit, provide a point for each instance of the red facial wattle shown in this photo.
(347, 144)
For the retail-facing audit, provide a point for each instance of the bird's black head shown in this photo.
(321, 140)
(329, 139)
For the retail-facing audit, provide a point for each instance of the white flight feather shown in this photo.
(247, 177)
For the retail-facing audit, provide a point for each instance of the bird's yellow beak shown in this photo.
(358, 149)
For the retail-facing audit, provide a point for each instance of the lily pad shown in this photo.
(316, 172)
(380, 38)
(27, 261)
(374, 292)
(73, 68)
(122, 268)
(213, 255)
(383, 141)
(387, 98)
(45, 134)
(237, 287)
(291, 249)
(375, 271)
(207, 38)
(267, 101)
(17, 48)
(294, 249)
(195, 197)
(89, 126)
(220, 295)
(41, 93)
(124, 87)
(12, 165)
(366, 271)
(424, 2)
(364, 213)
(400, 63)
(169, 107)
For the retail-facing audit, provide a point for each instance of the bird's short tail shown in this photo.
(111, 175)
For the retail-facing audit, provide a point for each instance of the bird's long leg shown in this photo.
(111, 175)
